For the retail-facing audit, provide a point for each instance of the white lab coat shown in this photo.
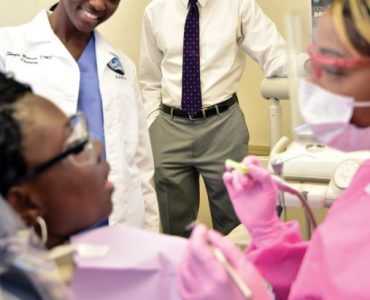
(35, 55)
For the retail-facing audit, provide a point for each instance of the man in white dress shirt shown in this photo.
(192, 58)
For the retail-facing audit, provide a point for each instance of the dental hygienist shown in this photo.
(63, 58)
(334, 264)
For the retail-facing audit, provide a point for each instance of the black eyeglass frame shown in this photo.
(75, 148)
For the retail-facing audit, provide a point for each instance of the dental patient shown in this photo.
(53, 176)
(51, 169)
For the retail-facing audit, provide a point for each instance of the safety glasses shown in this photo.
(321, 62)
(78, 149)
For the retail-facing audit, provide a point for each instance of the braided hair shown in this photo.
(12, 162)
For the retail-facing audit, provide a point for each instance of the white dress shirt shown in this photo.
(228, 30)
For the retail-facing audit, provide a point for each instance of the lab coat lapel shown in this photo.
(104, 54)
(40, 32)
(40, 29)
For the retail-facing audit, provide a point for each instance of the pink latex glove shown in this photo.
(202, 277)
(254, 197)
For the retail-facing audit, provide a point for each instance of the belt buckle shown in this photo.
(203, 110)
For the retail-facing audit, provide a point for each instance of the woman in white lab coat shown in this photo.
(63, 58)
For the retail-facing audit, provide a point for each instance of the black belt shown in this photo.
(204, 113)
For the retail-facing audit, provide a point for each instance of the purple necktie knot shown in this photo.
(193, 3)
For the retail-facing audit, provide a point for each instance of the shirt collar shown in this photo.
(202, 3)
(40, 29)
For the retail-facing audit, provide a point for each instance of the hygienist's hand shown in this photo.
(202, 277)
(253, 195)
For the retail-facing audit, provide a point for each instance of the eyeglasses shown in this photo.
(333, 65)
(78, 149)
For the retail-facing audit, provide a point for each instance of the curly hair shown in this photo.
(12, 162)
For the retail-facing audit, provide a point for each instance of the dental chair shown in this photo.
(320, 173)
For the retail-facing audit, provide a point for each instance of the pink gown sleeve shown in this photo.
(280, 259)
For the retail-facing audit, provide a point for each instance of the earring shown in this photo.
(43, 229)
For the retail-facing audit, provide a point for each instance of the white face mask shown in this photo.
(328, 115)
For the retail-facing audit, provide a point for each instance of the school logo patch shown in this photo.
(116, 66)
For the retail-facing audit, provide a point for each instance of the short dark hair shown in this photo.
(12, 162)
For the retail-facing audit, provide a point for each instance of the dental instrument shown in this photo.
(281, 184)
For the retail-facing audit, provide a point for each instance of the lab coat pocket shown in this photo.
(135, 208)
(128, 202)
(120, 110)
(120, 119)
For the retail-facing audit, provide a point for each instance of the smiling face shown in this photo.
(353, 82)
(68, 197)
(86, 15)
